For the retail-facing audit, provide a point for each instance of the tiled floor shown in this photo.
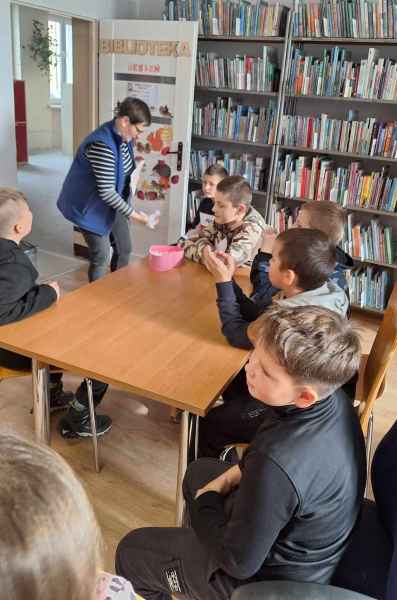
(41, 180)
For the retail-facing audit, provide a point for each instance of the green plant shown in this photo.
(40, 47)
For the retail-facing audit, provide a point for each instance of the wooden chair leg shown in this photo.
(368, 450)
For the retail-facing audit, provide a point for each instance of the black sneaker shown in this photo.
(60, 400)
(77, 424)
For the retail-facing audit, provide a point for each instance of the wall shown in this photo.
(94, 9)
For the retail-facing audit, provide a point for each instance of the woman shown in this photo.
(96, 192)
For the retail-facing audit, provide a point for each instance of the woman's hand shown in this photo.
(139, 217)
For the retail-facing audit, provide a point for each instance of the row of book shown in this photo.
(367, 138)
(230, 17)
(249, 73)
(318, 178)
(335, 74)
(254, 168)
(369, 287)
(345, 18)
(369, 241)
(227, 119)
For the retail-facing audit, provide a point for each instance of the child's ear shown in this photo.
(307, 396)
(17, 228)
(242, 209)
(289, 277)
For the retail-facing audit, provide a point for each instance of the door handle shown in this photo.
(178, 153)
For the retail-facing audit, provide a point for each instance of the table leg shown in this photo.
(93, 424)
(41, 406)
(182, 464)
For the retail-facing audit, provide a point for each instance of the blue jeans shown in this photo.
(99, 248)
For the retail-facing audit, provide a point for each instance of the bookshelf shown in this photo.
(309, 53)
(226, 39)
(379, 165)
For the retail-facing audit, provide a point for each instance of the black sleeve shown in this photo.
(14, 308)
(234, 326)
(264, 503)
(260, 266)
(248, 308)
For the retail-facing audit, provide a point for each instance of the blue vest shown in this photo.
(79, 201)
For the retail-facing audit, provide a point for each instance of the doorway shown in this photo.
(55, 90)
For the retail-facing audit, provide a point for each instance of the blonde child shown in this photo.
(50, 544)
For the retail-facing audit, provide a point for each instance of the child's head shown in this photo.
(326, 216)
(232, 200)
(300, 355)
(15, 215)
(302, 259)
(212, 176)
(50, 544)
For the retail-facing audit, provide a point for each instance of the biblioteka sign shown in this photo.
(145, 48)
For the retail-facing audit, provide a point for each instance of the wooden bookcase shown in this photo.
(293, 104)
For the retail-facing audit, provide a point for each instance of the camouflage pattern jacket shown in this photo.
(241, 243)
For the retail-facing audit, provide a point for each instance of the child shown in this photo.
(302, 262)
(22, 297)
(301, 265)
(237, 227)
(205, 215)
(287, 509)
(50, 545)
(326, 216)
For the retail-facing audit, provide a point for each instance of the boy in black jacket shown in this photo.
(326, 216)
(287, 509)
(21, 297)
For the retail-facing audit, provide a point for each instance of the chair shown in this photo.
(290, 590)
(43, 419)
(374, 367)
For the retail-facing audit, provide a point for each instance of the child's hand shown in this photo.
(268, 239)
(221, 265)
(55, 286)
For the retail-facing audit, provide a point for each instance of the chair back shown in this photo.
(379, 359)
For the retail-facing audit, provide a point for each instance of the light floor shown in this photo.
(41, 180)
(137, 484)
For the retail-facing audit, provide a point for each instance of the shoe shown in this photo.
(77, 424)
(60, 400)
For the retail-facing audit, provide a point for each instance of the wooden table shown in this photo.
(152, 334)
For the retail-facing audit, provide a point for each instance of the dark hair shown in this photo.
(313, 344)
(326, 216)
(309, 253)
(237, 189)
(216, 170)
(136, 110)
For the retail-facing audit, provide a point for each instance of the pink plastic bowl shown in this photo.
(164, 258)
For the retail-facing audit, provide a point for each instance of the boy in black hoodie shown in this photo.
(287, 509)
(326, 216)
(21, 297)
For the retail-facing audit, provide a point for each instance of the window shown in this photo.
(61, 71)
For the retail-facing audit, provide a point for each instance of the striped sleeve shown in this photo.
(103, 164)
